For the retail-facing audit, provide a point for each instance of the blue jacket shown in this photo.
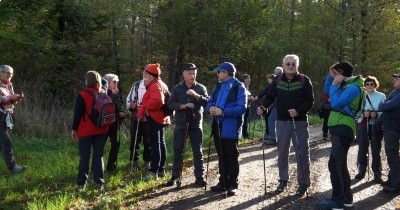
(233, 107)
(391, 112)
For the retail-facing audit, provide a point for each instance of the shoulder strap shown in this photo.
(370, 103)
(136, 86)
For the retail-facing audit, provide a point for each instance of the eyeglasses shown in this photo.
(221, 71)
(6, 72)
(369, 84)
(290, 64)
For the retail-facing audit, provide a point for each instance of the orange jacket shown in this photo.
(152, 102)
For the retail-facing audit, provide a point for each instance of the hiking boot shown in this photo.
(200, 182)
(218, 188)
(360, 175)
(172, 181)
(329, 204)
(150, 176)
(18, 169)
(301, 190)
(270, 142)
(348, 204)
(281, 187)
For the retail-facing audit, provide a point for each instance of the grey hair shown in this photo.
(111, 77)
(278, 70)
(292, 56)
(6, 68)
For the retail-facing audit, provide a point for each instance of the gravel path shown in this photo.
(250, 195)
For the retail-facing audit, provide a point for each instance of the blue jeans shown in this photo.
(271, 123)
(158, 147)
(85, 146)
(340, 177)
(196, 140)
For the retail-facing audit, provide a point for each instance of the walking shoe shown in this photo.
(200, 182)
(377, 180)
(161, 173)
(99, 187)
(150, 176)
(281, 187)
(218, 188)
(270, 142)
(348, 205)
(172, 181)
(386, 183)
(360, 175)
(18, 169)
(391, 189)
(231, 192)
(328, 204)
(301, 190)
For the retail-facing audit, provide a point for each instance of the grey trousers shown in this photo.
(196, 140)
(286, 131)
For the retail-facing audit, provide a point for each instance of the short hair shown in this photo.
(111, 77)
(93, 79)
(6, 68)
(278, 70)
(292, 56)
(244, 77)
(372, 79)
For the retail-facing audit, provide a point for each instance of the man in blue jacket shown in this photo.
(391, 132)
(227, 106)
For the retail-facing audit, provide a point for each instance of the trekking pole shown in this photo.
(134, 145)
(298, 151)
(263, 149)
(368, 143)
(222, 157)
(208, 162)
(185, 136)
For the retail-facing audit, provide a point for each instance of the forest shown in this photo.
(52, 43)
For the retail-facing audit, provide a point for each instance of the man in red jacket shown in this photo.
(152, 103)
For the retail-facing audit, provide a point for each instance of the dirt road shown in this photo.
(367, 195)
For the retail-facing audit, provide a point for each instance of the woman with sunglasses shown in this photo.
(369, 127)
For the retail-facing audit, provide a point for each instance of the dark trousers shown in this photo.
(113, 154)
(245, 132)
(228, 159)
(158, 147)
(340, 177)
(325, 123)
(142, 136)
(196, 140)
(392, 153)
(6, 145)
(96, 142)
(364, 134)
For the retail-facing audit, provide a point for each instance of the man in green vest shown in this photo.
(345, 95)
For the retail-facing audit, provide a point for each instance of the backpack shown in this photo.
(103, 109)
(165, 108)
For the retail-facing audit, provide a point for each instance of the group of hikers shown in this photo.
(352, 107)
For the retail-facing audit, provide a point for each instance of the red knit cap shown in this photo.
(153, 69)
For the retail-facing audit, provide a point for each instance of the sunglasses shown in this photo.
(369, 84)
(290, 64)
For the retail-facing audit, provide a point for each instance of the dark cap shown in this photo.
(396, 75)
(344, 68)
(188, 66)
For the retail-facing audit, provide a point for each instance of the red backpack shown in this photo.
(103, 109)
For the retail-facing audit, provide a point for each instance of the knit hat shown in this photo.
(153, 69)
(188, 66)
(344, 68)
(227, 66)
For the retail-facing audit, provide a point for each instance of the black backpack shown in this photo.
(165, 108)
